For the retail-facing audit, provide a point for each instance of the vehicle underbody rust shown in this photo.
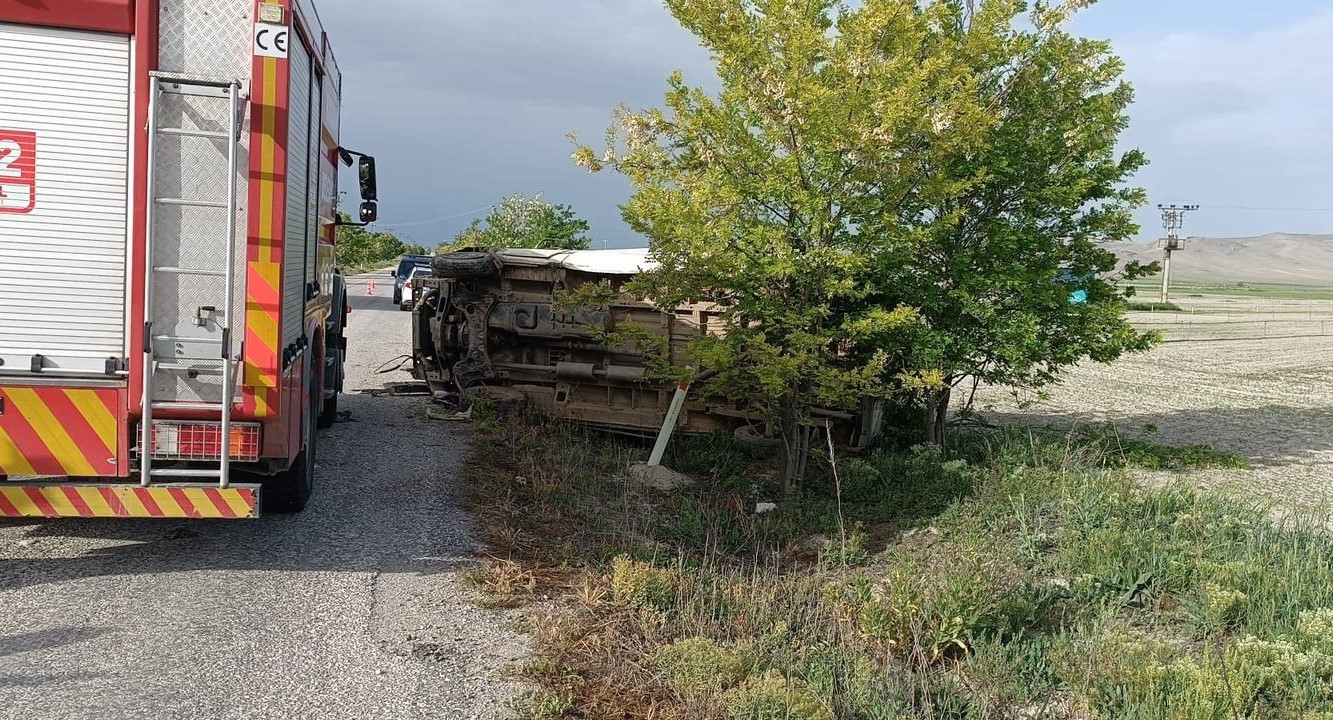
(507, 328)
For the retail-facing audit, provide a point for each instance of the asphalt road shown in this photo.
(352, 609)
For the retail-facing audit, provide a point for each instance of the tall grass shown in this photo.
(1021, 576)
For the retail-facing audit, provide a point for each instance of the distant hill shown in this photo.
(1272, 258)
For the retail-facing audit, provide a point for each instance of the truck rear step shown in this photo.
(121, 500)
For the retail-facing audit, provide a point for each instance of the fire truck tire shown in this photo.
(328, 412)
(463, 264)
(290, 490)
(328, 406)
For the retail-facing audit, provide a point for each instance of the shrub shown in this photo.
(1287, 678)
(1154, 306)
(543, 705)
(640, 585)
(697, 665)
(848, 550)
(772, 696)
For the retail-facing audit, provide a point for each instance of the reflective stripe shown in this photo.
(52, 431)
(127, 501)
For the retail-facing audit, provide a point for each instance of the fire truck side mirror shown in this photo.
(369, 186)
(370, 212)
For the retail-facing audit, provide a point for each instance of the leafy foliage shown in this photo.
(885, 198)
(360, 247)
(523, 222)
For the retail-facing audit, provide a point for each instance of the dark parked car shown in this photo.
(404, 271)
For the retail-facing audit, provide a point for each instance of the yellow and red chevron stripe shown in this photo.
(128, 501)
(73, 432)
(266, 224)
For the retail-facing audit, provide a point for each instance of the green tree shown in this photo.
(361, 247)
(884, 199)
(526, 222)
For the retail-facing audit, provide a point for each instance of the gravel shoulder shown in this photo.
(353, 609)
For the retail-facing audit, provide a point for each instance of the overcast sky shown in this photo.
(464, 102)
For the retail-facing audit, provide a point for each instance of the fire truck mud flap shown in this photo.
(91, 500)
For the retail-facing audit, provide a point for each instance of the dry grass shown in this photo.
(1029, 575)
(1022, 578)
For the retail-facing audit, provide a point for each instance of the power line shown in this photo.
(432, 221)
(1173, 219)
(1269, 209)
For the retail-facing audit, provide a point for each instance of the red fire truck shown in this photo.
(171, 320)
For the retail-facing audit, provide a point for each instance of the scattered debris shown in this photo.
(656, 477)
(407, 388)
(402, 361)
(448, 399)
(396, 389)
(505, 401)
(439, 413)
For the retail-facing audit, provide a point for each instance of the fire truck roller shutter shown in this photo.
(64, 186)
(299, 218)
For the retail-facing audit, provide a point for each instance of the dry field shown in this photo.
(1252, 376)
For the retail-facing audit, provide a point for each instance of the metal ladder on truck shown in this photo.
(207, 337)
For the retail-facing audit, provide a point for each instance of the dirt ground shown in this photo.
(1231, 376)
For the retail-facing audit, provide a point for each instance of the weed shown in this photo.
(774, 697)
(505, 580)
(847, 550)
(697, 665)
(639, 584)
(543, 705)
(1021, 575)
(1120, 450)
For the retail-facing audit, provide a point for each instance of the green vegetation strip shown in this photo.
(1260, 291)
(1154, 307)
(1023, 575)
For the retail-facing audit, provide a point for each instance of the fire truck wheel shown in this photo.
(463, 264)
(328, 406)
(289, 491)
(328, 412)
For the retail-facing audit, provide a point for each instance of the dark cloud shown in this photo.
(465, 102)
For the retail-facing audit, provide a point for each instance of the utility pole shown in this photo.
(1173, 219)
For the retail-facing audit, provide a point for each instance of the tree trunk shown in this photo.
(937, 415)
(795, 446)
